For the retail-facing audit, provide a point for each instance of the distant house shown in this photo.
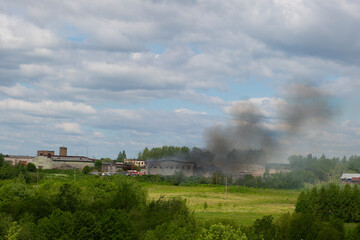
(350, 178)
(136, 162)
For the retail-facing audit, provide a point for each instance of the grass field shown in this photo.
(242, 205)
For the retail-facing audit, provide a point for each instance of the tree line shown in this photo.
(331, 201)
(160, 152)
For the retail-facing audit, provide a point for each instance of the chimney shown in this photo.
(63, 152)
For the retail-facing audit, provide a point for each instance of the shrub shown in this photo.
(86, 170)
(31, 167)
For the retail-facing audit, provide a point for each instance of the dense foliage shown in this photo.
(117, 208)
(275, 180)
(294, 226)
(331, 202)
(92, 208)
(164, 151)
(313, 169)
(28, 173)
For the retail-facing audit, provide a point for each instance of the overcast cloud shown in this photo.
(121, 75)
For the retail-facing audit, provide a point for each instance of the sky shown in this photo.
(100, 77)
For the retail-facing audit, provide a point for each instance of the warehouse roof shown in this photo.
(350, 175)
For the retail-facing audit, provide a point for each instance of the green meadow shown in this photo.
(242, 205)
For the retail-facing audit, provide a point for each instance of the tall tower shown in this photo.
(63, 152)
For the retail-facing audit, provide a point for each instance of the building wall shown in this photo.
(240, 170)
(108, 167)
(140, 163)
(42, 162)
(63, 151)
(16, 159)
(70, 165)
(45, 153)
(62, 162)
(70, 162)
(169, 167)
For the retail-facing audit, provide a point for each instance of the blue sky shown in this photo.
(132, 74)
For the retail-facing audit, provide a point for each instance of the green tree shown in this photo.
(116, 224)
(86, 226)
(13, 232)
(222, 232)
(169, 219)
(5, 224)
(333, 230)
(121, 156)
(128, 195)
(282, 226)
(303, 226)
(2, 160)
(178, 178)
(86, 170)
(31, 167)
(265, 228)
(59, 225)
(68, 198)
(98, 165)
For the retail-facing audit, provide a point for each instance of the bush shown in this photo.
(31, 167)
(86, 170)
(222, 232)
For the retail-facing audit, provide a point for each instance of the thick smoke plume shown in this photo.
(253, 136)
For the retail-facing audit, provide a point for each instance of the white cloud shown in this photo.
(69, 127)
(46, 108)
(99, 134)
(18, 91)
(87, 63)
(34, 70)
(188, 111)
(17, 33)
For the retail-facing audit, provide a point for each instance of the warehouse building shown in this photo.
(48, 160)
(170, 167)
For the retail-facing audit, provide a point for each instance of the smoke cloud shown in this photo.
(258, 129)
(248, 138)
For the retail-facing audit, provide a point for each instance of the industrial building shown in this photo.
(48, 160)
(170, 167)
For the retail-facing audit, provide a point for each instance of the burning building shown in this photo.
(170, 167)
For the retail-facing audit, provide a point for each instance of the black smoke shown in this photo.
(247, 137)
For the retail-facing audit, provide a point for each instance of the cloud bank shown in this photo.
(129, 74)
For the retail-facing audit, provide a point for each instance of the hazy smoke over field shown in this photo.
(251, 129)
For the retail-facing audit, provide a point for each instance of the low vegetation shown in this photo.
(68, 204)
